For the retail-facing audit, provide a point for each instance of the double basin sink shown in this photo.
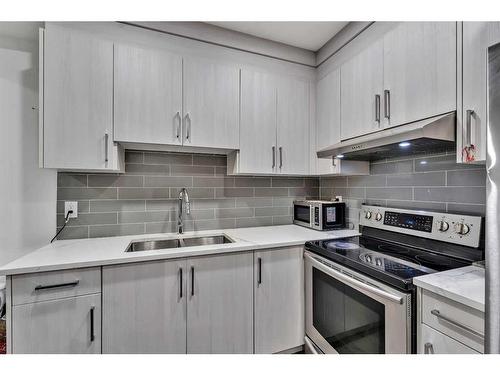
(174, 243)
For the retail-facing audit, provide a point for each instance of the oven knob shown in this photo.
(368, 215)
(369, 258)
(443, 226)
(378, 216)
(378, 262)
(462, 228)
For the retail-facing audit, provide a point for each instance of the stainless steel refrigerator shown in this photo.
(492, 328)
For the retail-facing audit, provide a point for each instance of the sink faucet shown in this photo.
(183, 201)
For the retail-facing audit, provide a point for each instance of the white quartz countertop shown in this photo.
(111, 250)
(464, 285)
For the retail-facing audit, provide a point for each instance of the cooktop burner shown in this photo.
(394, 263)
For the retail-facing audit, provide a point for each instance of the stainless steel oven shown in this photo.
(348, 312)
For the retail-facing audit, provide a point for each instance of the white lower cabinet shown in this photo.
(220, 308)
(434, 342)
(62, 326)
(144, 307)
(279, 299)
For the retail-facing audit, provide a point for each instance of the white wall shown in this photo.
(27, 193)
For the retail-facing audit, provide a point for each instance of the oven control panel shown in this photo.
(460, 229)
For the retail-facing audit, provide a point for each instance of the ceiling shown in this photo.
(308, 35)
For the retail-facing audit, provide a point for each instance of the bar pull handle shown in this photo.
(192, 281)
(180, 283)
(377, 108)
(178, 131)
(428, 348)
(106, 147)
(281, 156)
(468, 129)
(61, 285)
(188, 126)
(259, 271)
(387, 104)
(274, 156)
(92, 334)
(438, 315)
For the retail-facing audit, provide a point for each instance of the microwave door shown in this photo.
(351, 315)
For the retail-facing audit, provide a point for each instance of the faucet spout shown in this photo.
(183, 204)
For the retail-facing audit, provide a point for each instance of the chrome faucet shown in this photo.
(183, 201)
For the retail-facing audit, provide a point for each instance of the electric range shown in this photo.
(360, 296)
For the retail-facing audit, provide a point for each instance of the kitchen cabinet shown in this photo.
(220, 304)
(148, 95)
(292, 126)
(472, 112)
(60, 326)
(419, 62)
(279, 299)
(361, 91)
(434, 342)
(144, 307)
(274, 127)
(211, 104)
(76, 101)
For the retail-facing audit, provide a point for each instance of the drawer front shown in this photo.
(434, 342)
(458, 321)
(44, 286)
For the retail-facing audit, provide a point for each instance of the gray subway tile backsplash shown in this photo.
(434, 182)
(144, 198)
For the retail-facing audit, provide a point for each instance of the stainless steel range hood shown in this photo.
(435, 134)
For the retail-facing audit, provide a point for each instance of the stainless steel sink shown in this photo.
(176, 243)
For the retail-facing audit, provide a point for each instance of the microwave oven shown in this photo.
(319, 215)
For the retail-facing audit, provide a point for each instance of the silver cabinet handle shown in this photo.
(468, 127)
(428, 348)
(281, 156)
(274, 156)
(387, 104)
(106, 147)
(188, 126)
(377, 108)
(437, 314)
(178, 132)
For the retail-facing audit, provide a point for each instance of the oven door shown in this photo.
(347, 312)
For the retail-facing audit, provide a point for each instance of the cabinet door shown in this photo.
(419, 71)
(279, 299)
(77, 100)
(434, 342)
(361, 88)
(328, 110)
(61, 326)
(144, 307)
(220, 304)
(293, 126)
(148, 96)
(258, 123)
(211, 104)
(476, 38)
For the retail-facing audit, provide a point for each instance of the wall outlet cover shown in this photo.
(71, 206)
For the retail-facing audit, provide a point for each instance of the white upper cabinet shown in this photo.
(328, 110)
(211, 104)
(258, 123)
(361, 91)
(473, 114)
(292, 126)
(419, 71)
(148, 96)
(76, 100)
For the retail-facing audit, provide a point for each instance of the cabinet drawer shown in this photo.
(434, 342)
(44, 286)
(458, 321)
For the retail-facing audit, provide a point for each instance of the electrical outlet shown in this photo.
(71, 206)
(338, 198)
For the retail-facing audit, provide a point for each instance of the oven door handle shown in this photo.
(354, 282)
